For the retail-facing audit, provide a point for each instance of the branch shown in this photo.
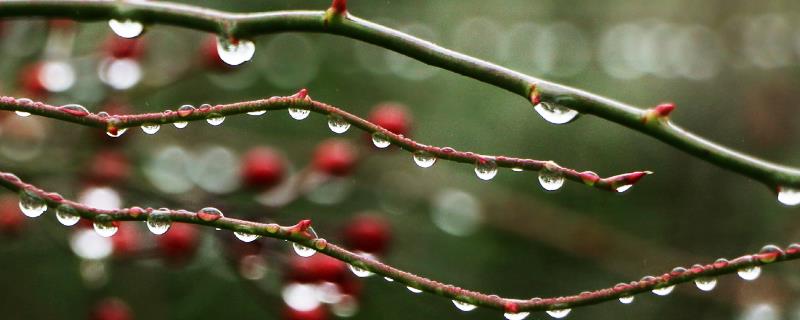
(334, 21)
(747, 266)
(116, 124)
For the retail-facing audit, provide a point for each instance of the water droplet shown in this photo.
(749, 273)
(424, 159)
(517, 169)
(24, 101)
(257, 112)
(246, 237)
(388, 279)
(558, 314)
(150, 128)
(158, 222)
(626, 299)
(235, 52)
(516, 316)
(209, 214)
(338, 124)
(663, 291)
(554, 113)
(31, 205)
(299, 114)
(485, 169)
(551, 180)
(104, 225)
(463, 306)
(116, 133)
(74, 109)
(180, 124)
(126, 28)
(215, 119)
(623, 188)
(302, 250)
(67, 215)
(359, 272)
(413, 290)
(770, 253)
(789, 196)
(380, 140)
(706, 283)
(22, 113)
(186, 110)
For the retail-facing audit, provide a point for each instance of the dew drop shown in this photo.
(31, 205)
(22, 113)
(235, 52)
(789, 196)
(257, 112)
(360, 272)
(663, 291)
(623, 188)
(338, 124)
(770, 253)
(150, 128)
(126, 28)
(516, 316)
(299, 114)
(554, 113)
(209, 214)
(186, 110)
(158, 222)
(24, 101)
(706, 283)
(463, 306)
(485, 169)
(74, 109)
(388, 279)
(302, 250)
(424, 159)
(246, 237)
(67, 215)
(380, 140)
(749, 273)
(116, 133)
(104, 225)
(558, 314)
(215, 119)
(551, 180)
(180, 124)
(413, 290)
(626, 299)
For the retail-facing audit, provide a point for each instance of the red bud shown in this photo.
(339, 6)
(664, 109)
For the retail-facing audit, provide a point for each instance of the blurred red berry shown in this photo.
(336, 157)
(368, 233)
(391, 116)
(317, 268)
(351, 286)
(262, 168)
(126, 240)
(109, 167)
(61, 24)
(11, 219)
(31, 82)
(319, 313)
(209, 56)
(179, 244)
(111, 309)
(120, 48)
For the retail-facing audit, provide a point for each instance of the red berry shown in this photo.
(391, 116)
(109, 167)
(111, 309)
(61, 24)
(319, 313)
(209, 56)
(120, 48)
(262, 168)
(368, 233)
(31, 82)
(180, 242)
(351, 286)
(317, 268)
(126, 240)
(335, 157)
(11, 219)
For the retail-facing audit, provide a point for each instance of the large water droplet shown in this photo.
(215, 119)
(67, 215)
(706, 283)
(209, 214)
(235, 52)
(463, 306)
(186, 110)
(22, 113)
(150, 128)
(31, 205)
(158, 222)
(551, 180)
(749, 273)
(626, 299)
(360, 272)
(789, 196)
(424, 159)
(104, 225)
(246, 237)
(554, 113)
(485, 169)
(302, 250)
(74, 109)
(558, 314)
(516, 316)
(180, 124)
(126, 28)
(338, 124)
(413, 290)
(116, 133)
(770, 253)
(257, 112)
(380, 140)
(663, 291)
(299, 114)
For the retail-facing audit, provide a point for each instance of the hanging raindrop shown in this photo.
(359, 272)
(215, 119)
(413, 290)
(67, 215)
(706, 283)
(663, 291)
(554, 113)
(788, 196)
(516, 316)
(551, 180)
(126, 28)
(338, 124)
(558, 314)
(626, 299)
(463, 306)
(246, 237)
(158, 222)
(257, 112)
(104, 225)
(150, 128)
(299, 114)
(380, 140)
(31, 205)
(485, 169)
(424, 159)
(235, 52)
(22, 113)
(116, 133)
(749, 273)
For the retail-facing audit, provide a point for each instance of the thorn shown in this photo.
(535, 96)
(339, 6)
